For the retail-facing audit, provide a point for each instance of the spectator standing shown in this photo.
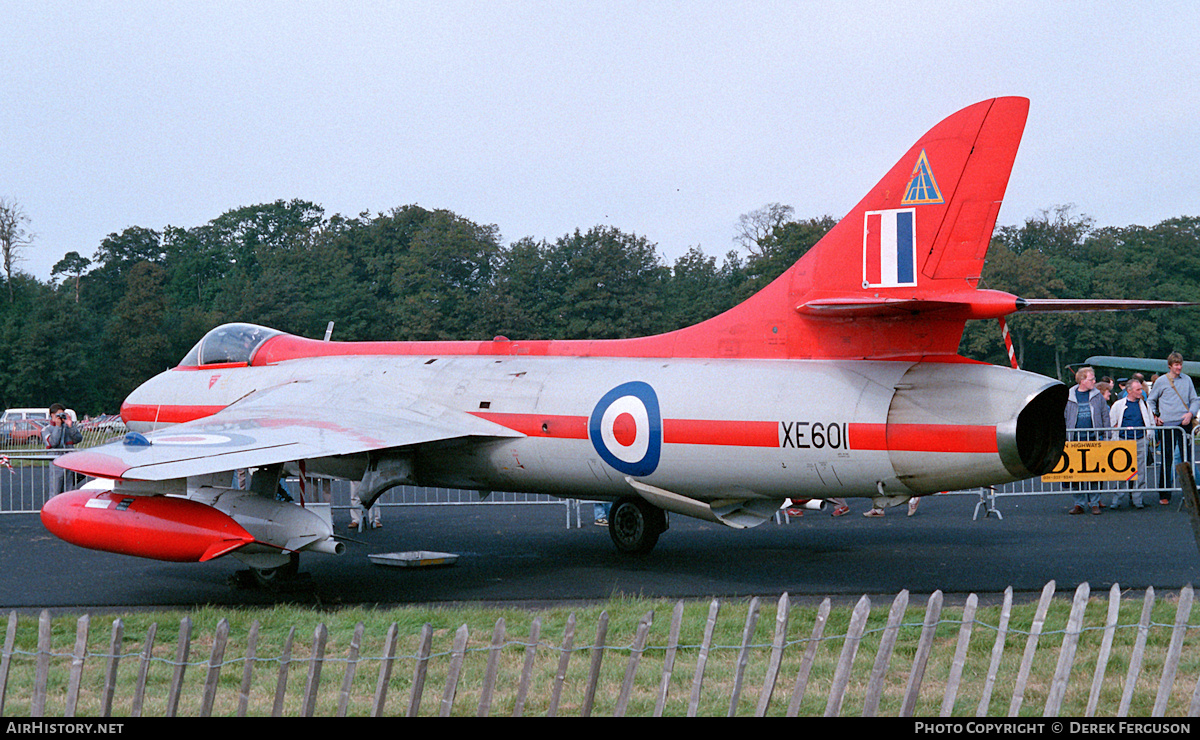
(1086, 410)
(60, 434)
(357, 509)
(1174, 403)
(1133, 411)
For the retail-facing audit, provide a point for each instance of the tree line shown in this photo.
(105, 323)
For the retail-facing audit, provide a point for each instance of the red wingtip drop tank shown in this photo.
(157, 527)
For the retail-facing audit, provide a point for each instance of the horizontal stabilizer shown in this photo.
(1049, 305)
(975, 304)
(972, 304)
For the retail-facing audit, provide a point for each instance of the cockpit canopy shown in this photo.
(228, 344)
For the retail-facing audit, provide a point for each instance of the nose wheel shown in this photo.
(635, 525)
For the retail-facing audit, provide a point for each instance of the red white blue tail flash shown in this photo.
(889, 249)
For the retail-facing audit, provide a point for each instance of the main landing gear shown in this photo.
(275, 577)
(635, 525)
(286, 577)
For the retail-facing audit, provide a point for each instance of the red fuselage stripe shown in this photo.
(539, 425)
(923, 437)
(735, 433)
(895, 437)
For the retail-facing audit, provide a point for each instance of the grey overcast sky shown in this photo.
(664, 119)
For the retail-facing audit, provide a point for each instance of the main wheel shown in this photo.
(635, 525)
(280, 575)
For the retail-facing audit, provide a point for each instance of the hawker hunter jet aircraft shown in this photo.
(840, 378)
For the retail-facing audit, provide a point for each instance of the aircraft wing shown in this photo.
(1140, 364)
(301, 420)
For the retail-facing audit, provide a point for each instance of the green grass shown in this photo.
(623, 618)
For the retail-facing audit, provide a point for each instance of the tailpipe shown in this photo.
(1032, 444)
(994, 425)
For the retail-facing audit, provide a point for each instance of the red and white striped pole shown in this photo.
(1012, 356)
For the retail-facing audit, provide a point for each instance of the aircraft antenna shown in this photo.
(329, 331)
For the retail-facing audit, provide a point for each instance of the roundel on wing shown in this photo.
(626, 428)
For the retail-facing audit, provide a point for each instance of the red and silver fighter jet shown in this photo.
(840, 378)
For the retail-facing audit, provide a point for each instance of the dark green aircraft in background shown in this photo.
(1144, 365)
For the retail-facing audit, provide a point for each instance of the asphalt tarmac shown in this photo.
(526, 554)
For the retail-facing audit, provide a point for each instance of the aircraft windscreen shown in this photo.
(230, 343)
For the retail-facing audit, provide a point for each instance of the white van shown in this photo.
(43, 414)
(17, 414)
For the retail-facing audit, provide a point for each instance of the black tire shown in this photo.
(635, 525)
(282, 574)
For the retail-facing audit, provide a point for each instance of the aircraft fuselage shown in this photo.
(707, 429)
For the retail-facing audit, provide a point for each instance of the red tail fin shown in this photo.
(897, 276)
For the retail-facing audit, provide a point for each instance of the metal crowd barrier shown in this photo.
(25, 482)
(1156, 480)
(25, 487)
(24, 468)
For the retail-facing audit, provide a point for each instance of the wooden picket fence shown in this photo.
(33, 682)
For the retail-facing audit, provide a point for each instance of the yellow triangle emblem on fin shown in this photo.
(922, 187)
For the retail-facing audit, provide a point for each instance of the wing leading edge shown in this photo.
(267, 427)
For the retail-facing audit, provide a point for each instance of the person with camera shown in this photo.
(60, 434)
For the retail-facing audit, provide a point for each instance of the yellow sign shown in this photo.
(1095, 461)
